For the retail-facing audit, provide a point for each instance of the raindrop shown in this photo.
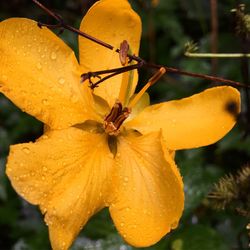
(126, 179)
(61, 81)
(128, 209)
(174, 224)
(53, 56)
(26, 150)
(122, 224)
(45, 169)
(45, 101)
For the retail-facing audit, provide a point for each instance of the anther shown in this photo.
(123, 52)
(115, 119)
(115, 112)
(121, 118)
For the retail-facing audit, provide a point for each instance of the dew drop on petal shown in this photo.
(126, 179)
(53, 56)
(61, 80)
(26, 150)
(45, 169)
(45, 101)
(174, 224)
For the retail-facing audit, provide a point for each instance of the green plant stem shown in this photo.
(217, 55)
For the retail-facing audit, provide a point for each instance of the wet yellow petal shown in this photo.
(196, 121)
(65, 173)
(111, 21)
(148, 190)
(41, 75)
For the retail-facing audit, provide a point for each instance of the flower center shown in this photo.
(115, 118)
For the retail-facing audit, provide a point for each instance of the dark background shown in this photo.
(167, 26)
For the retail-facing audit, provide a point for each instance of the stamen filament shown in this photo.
(151, 82)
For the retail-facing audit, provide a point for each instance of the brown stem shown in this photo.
(196, 75)
(140, 61)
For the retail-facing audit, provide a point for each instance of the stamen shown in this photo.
(151, 82)
(115, 118)
(115, 112)
(125, 114)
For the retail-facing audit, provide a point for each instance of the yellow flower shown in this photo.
(84, 161)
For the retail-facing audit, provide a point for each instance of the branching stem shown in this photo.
(113, 72)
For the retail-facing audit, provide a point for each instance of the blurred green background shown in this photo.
(167, 26)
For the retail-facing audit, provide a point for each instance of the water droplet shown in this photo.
(126, 179)
(53, 56)
(61, 80)
(39, 66)
(174, 224)
(45, 169)
(43, 177)
(26, 150)
(45, 101)
(122, 224)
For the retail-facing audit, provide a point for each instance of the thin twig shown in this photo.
(143, 63)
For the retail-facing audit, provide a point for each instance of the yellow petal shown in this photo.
(196, 121)
(148, 190)
(111, 21)
(66, 173)
(41, 75)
